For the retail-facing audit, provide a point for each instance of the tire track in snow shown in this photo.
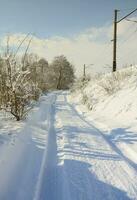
(47, 177)
(73, 179)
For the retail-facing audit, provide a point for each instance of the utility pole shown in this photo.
(115, 36)
(115, 41)
(84, 71)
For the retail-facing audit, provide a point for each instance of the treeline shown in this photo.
(24, 79)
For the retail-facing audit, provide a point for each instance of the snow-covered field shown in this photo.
(64, 152)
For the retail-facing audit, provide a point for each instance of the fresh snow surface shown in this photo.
(113, 112)
(58, 154)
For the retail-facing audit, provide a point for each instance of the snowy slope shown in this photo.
(113, 103)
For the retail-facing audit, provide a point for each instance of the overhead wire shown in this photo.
(124, 43)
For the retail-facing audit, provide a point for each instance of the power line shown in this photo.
(104, 51)
(132, 52)
(130, 20)
(116, 21)
(129, 37)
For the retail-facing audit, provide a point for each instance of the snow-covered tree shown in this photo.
(63, 72)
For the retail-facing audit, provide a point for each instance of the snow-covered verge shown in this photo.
(110, 102)
(22, 149)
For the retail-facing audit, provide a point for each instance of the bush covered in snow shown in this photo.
(97, 88)
(23, 79)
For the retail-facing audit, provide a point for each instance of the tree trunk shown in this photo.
(59, 80)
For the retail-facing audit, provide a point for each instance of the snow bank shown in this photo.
(110, 101)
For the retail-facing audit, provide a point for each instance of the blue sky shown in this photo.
(48, 18)
(82, 30)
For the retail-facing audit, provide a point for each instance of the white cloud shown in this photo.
(92, 46)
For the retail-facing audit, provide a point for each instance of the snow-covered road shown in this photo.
(59, 155)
